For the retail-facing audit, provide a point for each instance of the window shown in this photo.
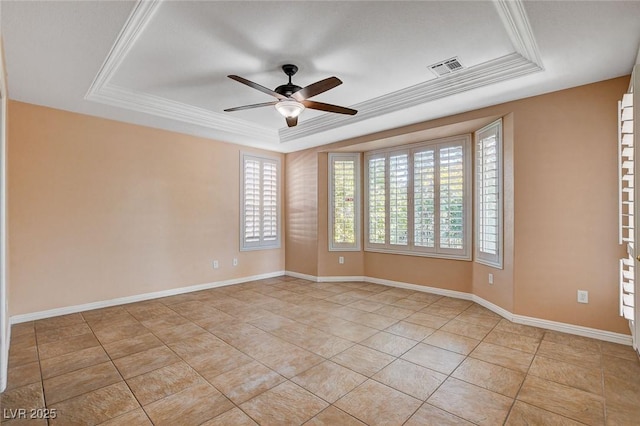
(344, 202)
(488, 142)
(418, 199)
(260, 202)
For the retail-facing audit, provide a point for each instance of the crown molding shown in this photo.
(493, 71)
(516, 23)
(525, 60)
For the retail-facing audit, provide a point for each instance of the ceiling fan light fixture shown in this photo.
(289, 108)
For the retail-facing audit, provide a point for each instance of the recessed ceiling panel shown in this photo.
(188, 48)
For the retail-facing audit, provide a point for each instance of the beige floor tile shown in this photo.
(95, 407)
(572, 355)
(505, 357)
(312, 339)
(428, 415)
(25, 397)
(246, 381)
(572, 340)
(389, 343)
(412, 379)
(452, 342)
(120, 331)
(620, 351)
(201, 344)
(448, 312)
(233, 417)
(23, 328)
(513, 341)
(386, 298)
(621, 368)
(411, 304)
(286, 403)
(73, 361)
(191, 406)
(179, 332)
(525, 330)
(165, 381)
(363, 360)
(474, 331)
(112, 314)
(427, 320)
(524, 414)
(68, 345)
(564, 400)
(490, 376)
(136, 417)
(81, 381)
(394, 312)
(24, 374)
(331, 416)
(471, 402)
(473, 317)
(437, 359)
(23, 341)
(329, 380)
(21, 356)
(426, 298)
(377, 404)
(60, 321)
(622, 393)
(143, 362)
(49, 335)
(343, 328)
(410, 331)
(373, 320)
(131, 346)
(289, 360)
(366, 305)
(218, 361)
(586, 379)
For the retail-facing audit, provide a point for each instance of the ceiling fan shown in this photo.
(292, 99)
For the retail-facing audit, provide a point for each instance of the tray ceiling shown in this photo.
(164, 64)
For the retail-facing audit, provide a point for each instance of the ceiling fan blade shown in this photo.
(316, 88)
(292, 121)
(240, 108)
(256, 86)
(329, 108)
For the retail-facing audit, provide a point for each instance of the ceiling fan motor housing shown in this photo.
(289, 88)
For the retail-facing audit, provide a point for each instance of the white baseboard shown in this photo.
(608, 336)
(301, 276)
(16, 319)
(4, 367)
(337, 279)
(593, 333)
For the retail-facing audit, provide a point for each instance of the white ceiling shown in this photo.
(164, 63)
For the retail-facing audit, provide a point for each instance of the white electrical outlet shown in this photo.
(583, 296)
(235, 261)
(490, 278)
(341, 260)
(215, 264)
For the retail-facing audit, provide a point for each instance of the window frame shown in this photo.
(356, 158)
(261, 244)
(410, 249)
(489, 259)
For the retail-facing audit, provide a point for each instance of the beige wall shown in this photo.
(560, 210)
(101, 209)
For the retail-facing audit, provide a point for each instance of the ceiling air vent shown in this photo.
(446, 67)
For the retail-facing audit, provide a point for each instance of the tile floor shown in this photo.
(286, 351)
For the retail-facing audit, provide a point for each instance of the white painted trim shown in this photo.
(422, 288)
(593, 333)
(336, 279)
(5, 328)
(494, 71)
(16, 319)
(301, 276)
(516, 23)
